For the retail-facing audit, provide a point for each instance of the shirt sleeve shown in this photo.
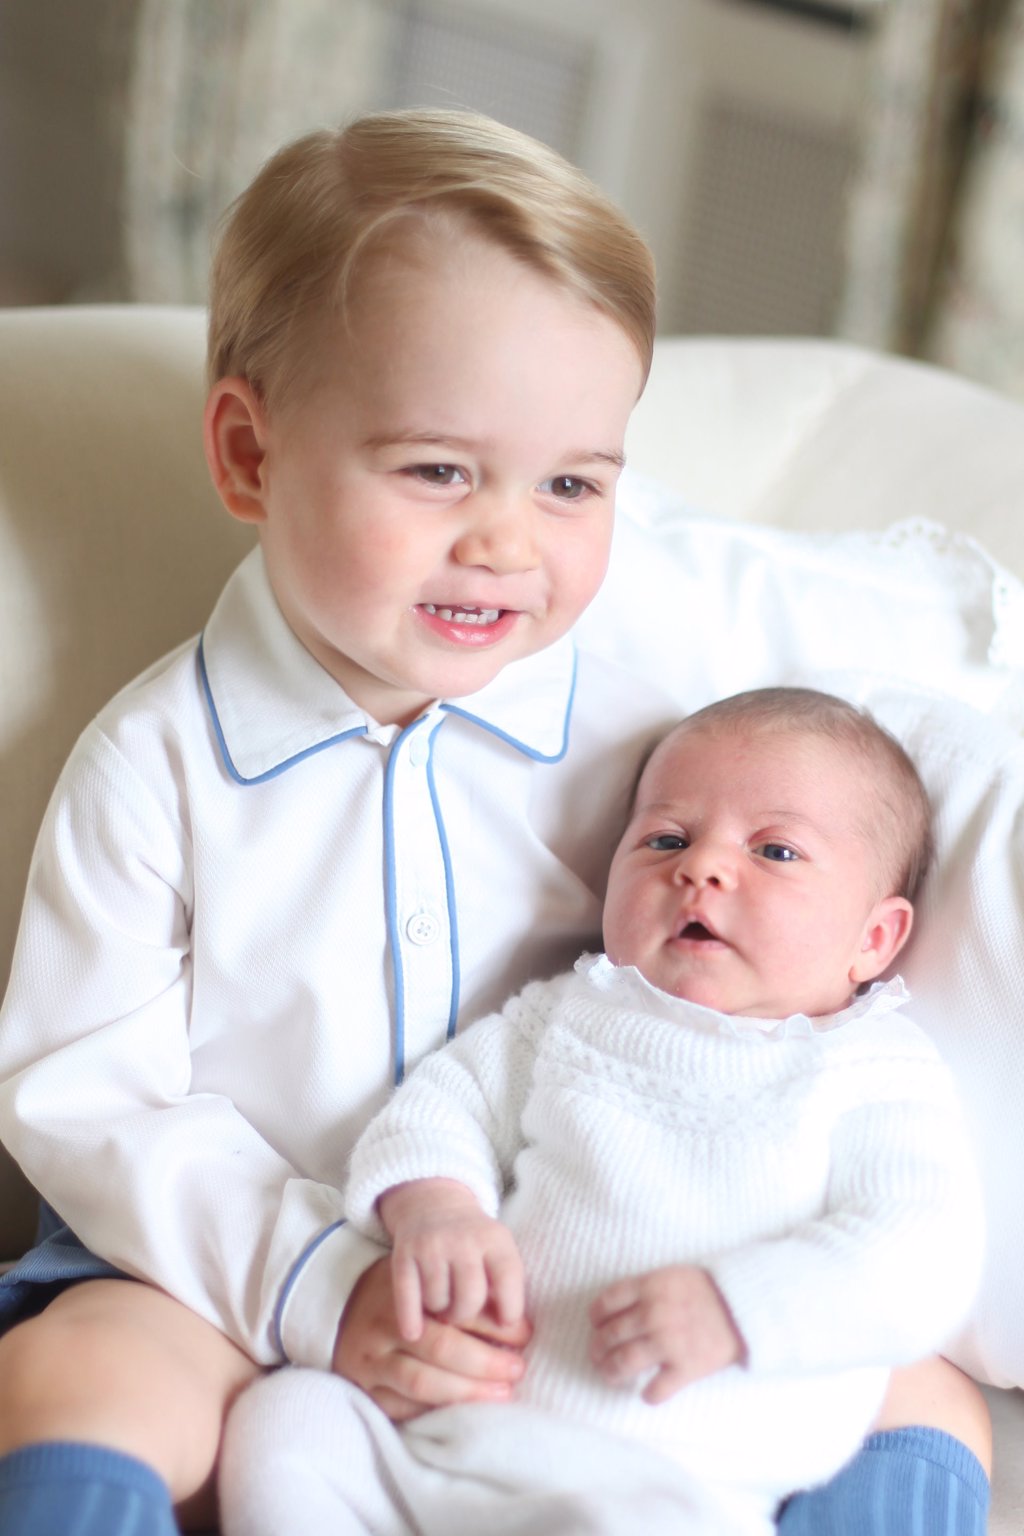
(889, 1270)
(458, 1116)
(171, 1185)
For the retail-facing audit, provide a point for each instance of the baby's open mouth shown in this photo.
(464, 615)
(698, 933)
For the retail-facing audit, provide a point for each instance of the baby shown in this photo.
(723, 1161)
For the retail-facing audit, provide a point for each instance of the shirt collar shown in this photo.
(273, 704)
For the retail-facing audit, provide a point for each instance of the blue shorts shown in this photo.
(58, 1260)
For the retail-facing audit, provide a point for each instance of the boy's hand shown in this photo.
(448, 1258)
(673, 1321)
(446, 1364)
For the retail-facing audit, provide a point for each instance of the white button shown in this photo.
(419, 750)
(423, 928)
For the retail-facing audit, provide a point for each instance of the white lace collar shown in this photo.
(624, 985)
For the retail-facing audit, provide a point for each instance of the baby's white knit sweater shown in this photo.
(820, 1171)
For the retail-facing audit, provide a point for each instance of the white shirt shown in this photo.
(251, 908)
(820, 1170)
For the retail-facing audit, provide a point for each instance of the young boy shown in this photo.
(383, 782)
(737, 1182)
(427, 334)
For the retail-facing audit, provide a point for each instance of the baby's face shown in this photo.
(440, 501)
(748, 877)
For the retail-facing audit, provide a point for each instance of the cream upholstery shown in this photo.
(113, 546)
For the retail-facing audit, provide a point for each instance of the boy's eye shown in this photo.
(667, 842)
(566, 487)
(438, 474)
(777, 853)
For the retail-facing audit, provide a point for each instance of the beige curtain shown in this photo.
(935, 242)
(977, 319)
(215, 86)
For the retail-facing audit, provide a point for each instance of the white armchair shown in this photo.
(113, 545)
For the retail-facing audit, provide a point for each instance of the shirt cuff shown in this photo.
(317, 1291)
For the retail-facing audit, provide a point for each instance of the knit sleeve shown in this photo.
(888, 1271)
(458, 1116)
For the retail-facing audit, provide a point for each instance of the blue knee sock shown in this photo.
(903, 1482)
(62, 1488)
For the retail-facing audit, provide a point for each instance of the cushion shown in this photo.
(766, 605)
(926, 630)
(965, 969)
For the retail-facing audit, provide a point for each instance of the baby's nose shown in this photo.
(705, 864)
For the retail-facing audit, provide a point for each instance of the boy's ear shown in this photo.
(885, 933)
(234, 438)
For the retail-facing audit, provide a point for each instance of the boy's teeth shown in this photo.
(464, 615)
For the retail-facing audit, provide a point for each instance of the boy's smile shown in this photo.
(439, 500)
(462, 625)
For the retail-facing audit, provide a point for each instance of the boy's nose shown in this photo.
(499, 536)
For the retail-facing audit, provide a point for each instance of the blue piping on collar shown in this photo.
(520, 746)
(279, 768)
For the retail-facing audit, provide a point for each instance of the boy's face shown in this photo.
(748, 877)
(439, 502)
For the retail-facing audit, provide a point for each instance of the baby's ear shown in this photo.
(234, 437)
(885, 933)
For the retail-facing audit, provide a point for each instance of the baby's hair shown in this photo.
(293, 243)
(900, 802)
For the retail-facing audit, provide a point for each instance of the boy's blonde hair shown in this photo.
(897, 801)
(293, 242)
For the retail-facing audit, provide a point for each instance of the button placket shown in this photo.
(422, 926)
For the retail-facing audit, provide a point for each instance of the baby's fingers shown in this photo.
(623, 1348)
(408, 1296)
(664, 1384)
(468, 1292)
(450, 1282)
(627, 1363)
(506, 1287)
(614, 1299)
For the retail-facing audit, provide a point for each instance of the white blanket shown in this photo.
(482, 1470)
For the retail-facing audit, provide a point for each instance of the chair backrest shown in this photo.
(816, 435)
(113, 547)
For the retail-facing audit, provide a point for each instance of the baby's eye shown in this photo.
(437, 474)
(667, 842)
(566, 487)
(778, 853)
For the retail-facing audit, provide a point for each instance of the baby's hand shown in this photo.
(449, 1259)
(673, 1321)
(482, 1363)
